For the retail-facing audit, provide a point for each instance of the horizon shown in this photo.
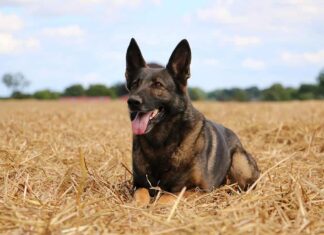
(233, 44)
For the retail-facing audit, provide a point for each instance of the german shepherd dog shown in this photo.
(174, 145)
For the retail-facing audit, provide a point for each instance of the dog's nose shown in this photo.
(134, 101)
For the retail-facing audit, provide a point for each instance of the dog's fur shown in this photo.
(180, 147)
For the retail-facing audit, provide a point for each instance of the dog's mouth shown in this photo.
(143, 122)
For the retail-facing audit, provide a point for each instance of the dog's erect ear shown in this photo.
(134, 60)
(179, 63)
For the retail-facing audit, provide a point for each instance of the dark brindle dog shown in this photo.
(174, 145)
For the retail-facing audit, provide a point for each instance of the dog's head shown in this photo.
(156, 94)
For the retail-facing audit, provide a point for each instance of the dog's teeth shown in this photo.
(153, 114)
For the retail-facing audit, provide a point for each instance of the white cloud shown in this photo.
(218, 14)
(17, 2)
(300, 10)
(253, 64)
(264, 16)
(10, 22)
(90, 78)
(242, 41)
(11, 45)
(302, 58)
(62, 7)
(236, 40)
(157, 2)
(67, 32)
(123, 3)
(91, 1)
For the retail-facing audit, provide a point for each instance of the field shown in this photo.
(65, 169)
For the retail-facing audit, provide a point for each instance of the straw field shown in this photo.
(65, 169)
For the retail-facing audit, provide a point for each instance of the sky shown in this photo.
(58, 43)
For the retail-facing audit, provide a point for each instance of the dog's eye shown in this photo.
(157, 84)
(135, 83)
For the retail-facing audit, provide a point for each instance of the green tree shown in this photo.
(275, 93)
(20, 95)
(74, 90)
(234, 94)
(320, 80)
(119, 89)
(46, 95)
(253, 93)
(196, 93)
(16, 82)
(220, 94)
(100, 90)
(239, 95)
(214, 95)
(307, 91)
(292, 93)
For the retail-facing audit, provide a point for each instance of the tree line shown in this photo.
(277, 92)
(17, 82)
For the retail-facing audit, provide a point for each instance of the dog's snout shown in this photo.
(134, 101)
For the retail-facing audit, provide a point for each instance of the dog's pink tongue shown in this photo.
(139, 124)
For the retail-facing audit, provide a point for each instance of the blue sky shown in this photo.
(57, 43)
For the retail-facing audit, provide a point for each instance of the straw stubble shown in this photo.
(65, 168)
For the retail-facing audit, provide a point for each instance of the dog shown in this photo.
(174, 146)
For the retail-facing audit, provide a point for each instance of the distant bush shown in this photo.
(275, 93)
(196, 93)
(234, 94)
(307, 91)
(253, 93)
(46, 95)
(20, 95)
(239, 95)
(119, 89)
(100, 90)
(74, 90)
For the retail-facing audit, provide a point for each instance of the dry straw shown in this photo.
(65, 168)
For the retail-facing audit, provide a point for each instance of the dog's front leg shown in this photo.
(142, 196)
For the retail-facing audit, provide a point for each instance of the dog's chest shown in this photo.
(166, 173)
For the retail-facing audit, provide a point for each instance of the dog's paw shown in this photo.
(142, 197)
(166, 199)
